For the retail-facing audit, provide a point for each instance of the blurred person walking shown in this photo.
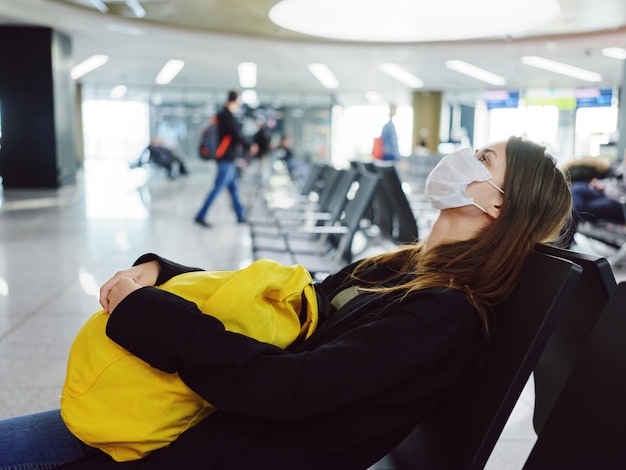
(227, 175)
(390, 138)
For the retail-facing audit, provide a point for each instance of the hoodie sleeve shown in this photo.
(168, 270)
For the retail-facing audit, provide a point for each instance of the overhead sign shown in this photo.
(501, 99)
(594, 97)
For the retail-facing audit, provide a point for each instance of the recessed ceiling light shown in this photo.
(374, 97)
(247, 74)
(475, 72)
(169, 71)
(249, 97)
(138, 10)
(325, 76)
(563, 69)
(88, 65)
(402, 75)
(118, 91)
(118, 28)
(614, 52)
(411, 21)
(100, 5)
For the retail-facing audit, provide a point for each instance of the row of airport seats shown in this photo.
(566, 324)
(417, 169)
(318, 227)
(609, 233)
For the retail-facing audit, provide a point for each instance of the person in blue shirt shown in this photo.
(390, 137)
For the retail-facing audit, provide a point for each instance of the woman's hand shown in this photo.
(124, 282)
(597, 184)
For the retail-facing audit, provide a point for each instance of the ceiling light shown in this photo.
(157, 99)
(136, 8)
(402, 75)
(374, 97)
(324, 75)
(563, 69)
(100, 5)
(88, 65)
(475, 72)
(249, 97)
(415, 20)
(614, 52)
(169, 71)
(247, 74)
(118, 92)
(118, 28)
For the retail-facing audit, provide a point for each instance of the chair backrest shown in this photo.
(461, 434)
(572, 331)
(327, 186)
(586, 428)
(313, 179)
(378, 212)
(405, 224)
(341, 186)
(353, 212)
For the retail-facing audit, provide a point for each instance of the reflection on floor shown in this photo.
(58, 246)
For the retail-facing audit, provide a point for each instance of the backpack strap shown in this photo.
(344, 296)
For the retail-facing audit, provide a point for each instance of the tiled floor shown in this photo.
(58, 246)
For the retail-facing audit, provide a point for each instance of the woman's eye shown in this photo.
(483, 158)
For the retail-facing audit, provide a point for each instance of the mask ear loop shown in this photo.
(495, 186)
(480, 207)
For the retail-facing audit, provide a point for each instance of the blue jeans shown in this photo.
(226, 178)
(38, 441)
(590, 205)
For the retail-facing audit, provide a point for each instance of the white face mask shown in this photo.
(447, 183)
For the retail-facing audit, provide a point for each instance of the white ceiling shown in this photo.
(213, 36)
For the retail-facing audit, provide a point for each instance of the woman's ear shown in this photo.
(494, 206)
(493, 211)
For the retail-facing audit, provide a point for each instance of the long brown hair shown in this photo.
(537, 203)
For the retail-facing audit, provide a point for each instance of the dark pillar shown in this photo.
(37, 105)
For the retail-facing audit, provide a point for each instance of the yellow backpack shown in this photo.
(118, 403)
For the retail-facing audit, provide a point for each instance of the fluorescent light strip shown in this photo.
(136, 8)
(325, 76)
(88, 65)
(475, 72)
(614, 52)
(118, 92)
(249, 97)
(118, 28)
(169, 71)
(563, 69)
(402, 75)
(100, 5)
(374, 97)
(247, 74)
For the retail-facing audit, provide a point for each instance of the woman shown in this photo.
(397, 333)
